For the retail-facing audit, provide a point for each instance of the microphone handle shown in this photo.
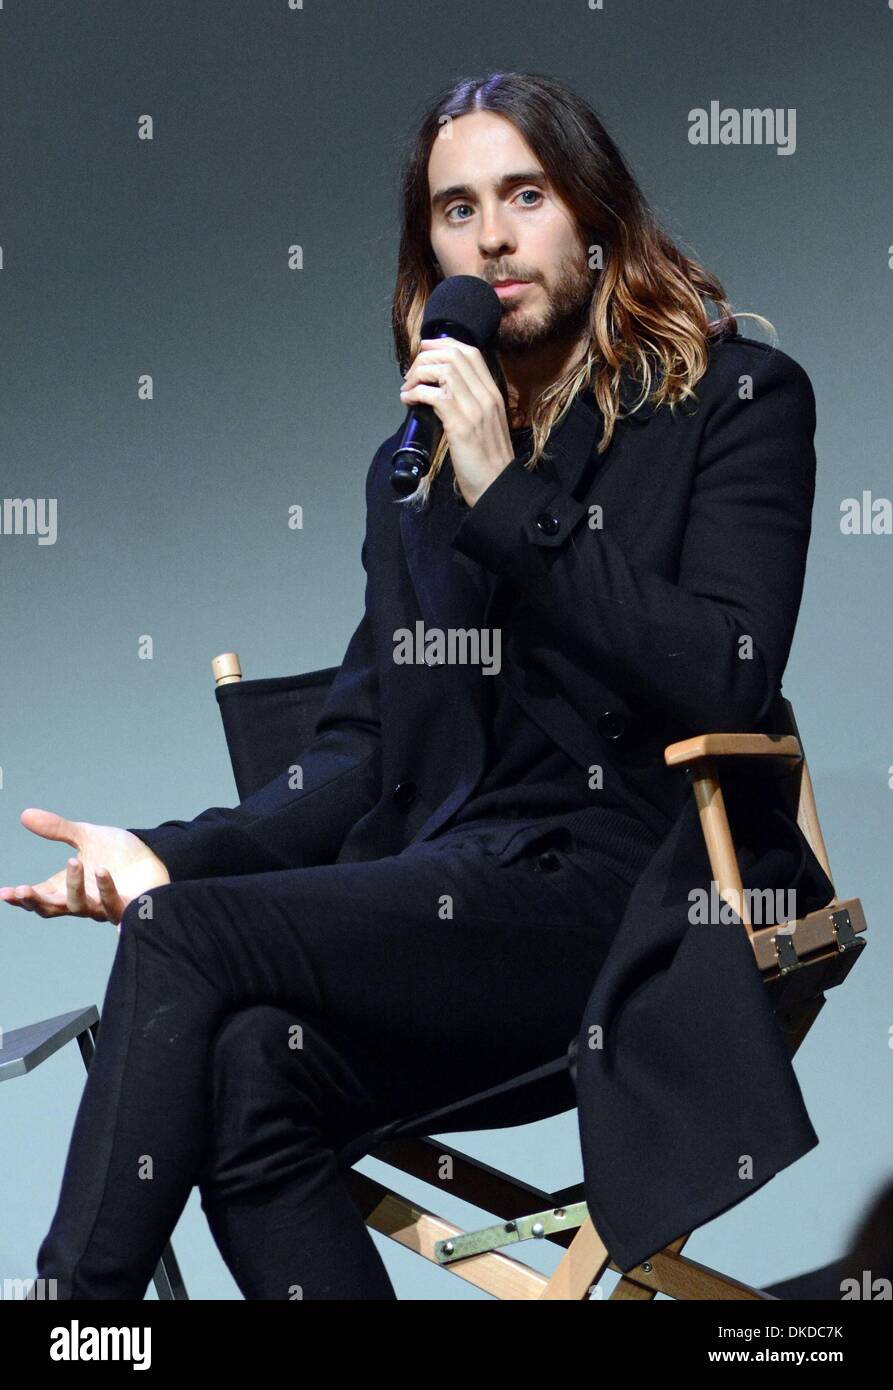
(423, 428)
(420, 438)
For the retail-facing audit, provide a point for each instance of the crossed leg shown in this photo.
(283, 1101)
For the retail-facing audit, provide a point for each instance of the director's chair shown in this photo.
(266, 723)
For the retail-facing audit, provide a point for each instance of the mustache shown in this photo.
(507, 275)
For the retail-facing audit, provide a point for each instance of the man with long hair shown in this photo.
(427, 911)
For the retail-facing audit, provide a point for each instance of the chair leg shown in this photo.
(167, 1279)
(582, 1265)
(673, 1274)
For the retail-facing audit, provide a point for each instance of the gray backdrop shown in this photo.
(278, 126)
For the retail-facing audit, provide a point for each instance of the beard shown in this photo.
(524, 331)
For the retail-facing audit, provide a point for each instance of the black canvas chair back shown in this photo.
(268, 723)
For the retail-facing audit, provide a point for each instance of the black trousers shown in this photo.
(254, 1025)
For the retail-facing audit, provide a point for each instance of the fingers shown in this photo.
(32, 900)
(445, 385)
(75, 897)
(49, 900)
(468, 360)
(446, 376)
(51, 825)
(465, 368)
(112, 902)
(37, 897)
(18, 897)
(79, 904)
(448, 371)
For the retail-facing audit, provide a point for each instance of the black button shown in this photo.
(547, 862)
(611, 724)
(548, 523)
(404, 794)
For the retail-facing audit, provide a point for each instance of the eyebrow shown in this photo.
(464, 190)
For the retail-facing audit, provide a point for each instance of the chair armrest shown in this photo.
(689, 750)
(697, 755)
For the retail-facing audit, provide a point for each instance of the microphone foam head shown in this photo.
(467, 302)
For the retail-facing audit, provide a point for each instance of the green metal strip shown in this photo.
(534, 1227)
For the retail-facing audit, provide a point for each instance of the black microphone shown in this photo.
(462, 307)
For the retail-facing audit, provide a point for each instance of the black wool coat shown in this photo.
(644, 595)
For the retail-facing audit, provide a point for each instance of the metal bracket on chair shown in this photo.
(540, 1224)
(843, 929)
(786, 952)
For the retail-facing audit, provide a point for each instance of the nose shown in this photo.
(496, 237)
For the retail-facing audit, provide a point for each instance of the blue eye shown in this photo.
(535, 191)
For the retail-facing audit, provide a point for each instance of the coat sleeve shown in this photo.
(678, 646)
(280, 827)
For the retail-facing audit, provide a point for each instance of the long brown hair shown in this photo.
(647, 308)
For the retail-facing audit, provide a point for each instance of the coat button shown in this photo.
(404, 794)
(547, 862)
(548, 523)
(611, 724)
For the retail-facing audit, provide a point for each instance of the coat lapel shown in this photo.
(448, 591)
